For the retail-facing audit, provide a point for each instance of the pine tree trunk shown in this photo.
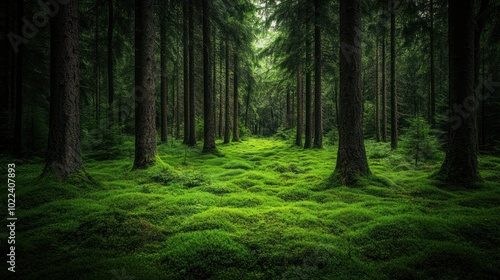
(19, 57)
(221, 96)
(377, 93)
(192, 103)
(185, 48)
(432, 114)
(300, 109)
(460, 166)
(111, 89)
(318, 108)
(309, 130)
(145, 113)
(351, 159)
(236, 100)
(208, 101)
(384, 91)
(248, 99)
(394, 101)
(163, 81)
(97, 74)
(63, 156)
(226, 119)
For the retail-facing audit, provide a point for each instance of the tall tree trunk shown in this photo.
(208, 101)
(300, 107)
(248, 99)
(432, 100)
(318, 108)
(236, 100)
(221, 96)
(384, 91)
(145, 113)
(97, 74)
(309, 124)
(111, 89)
(163, 81)
(377, 93)
(18, 121)
(226, 119)
(63, 156)
(460, 166)
(185, 48)
(394, 101)
(214, 81)
(351, 159)
(192, 103)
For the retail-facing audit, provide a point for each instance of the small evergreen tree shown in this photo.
(418, 142)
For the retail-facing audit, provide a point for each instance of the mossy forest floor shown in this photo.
(263, 210)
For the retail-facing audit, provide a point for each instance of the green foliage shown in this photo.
(418, 143)
(285, 134)
(103, 142)
(265, 211)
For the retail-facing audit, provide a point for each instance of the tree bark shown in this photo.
(226, 119)
(111, 89)
(318, 108)
(460, 166)
(19, 57)
(351, 159)
(384, 91)
(164, 80)
(192, 103)
(208, 101)
(432, 114)
(300, 109)
(145, 113)
(97, 70)
(378, 134)
(63, 156)
(185, 48)
(394, 101)
(221, 96)
(236, 100)
(309, 125)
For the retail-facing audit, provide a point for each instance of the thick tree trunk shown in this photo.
(111, 89)
(145, 113)
(208, 101)
(227, 130)
(394, 100)
(351, 159)
(300, 109)
(309, 123)
(63, 156)
(185, 48)
(192, 103)
(163, 81)
(318, 108)
(460, 166)
(236, 100)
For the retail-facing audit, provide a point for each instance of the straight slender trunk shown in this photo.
(384, 91)
(111, 89)
(19, 57)
(248, 98)
(208, 101)
(236, 100)
(318, 109)
(226, 119)
(64, 156)
(394, 101)
(288, 110)
(145, 113)
(163, 81)
(185, 47)
(300, 109)
(460, 166)
(97, 74)
(351, 159)
(192, 103)
(432, 100)
(178, 103)
(309, 124)
(377, 93)
(221, 96)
